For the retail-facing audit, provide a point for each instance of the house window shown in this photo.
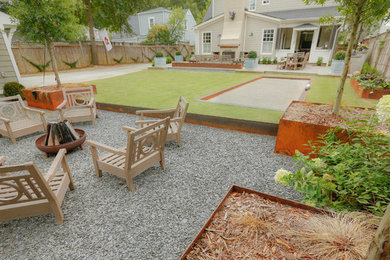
(207, 43)
(151, 22)
(266, 2)
(268, 41)
(252, 5)
(324, 37)
(285, 38)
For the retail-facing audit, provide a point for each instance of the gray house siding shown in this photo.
(6, 67)
(159, 18)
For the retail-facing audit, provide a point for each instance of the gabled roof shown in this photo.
(209, 14)
(303, 13)
(159, 9)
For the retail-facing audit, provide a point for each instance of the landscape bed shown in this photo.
(251, 224)
(368, 93)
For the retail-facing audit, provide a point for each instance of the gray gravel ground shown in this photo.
(104, 220)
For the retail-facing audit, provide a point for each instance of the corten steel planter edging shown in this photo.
(206, 65)
(53, 149)
(239, 189)
(240, 125)
(48, 99)
(368, 93)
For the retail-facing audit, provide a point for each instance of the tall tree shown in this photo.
(356, 13)
(176, 25)
(47, 21)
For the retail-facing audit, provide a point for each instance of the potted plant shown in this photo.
(251, 61)
(160, 60)
(338, 63)
(178, 57)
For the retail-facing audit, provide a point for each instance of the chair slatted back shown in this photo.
(181, 109)
(77, 97)
(16, 186)
(12, 108)
(144, 143)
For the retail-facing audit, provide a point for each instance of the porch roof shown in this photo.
(304, 13)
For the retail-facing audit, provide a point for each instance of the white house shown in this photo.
(143, 21)
(272, 28)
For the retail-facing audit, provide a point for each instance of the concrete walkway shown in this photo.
(82, 75)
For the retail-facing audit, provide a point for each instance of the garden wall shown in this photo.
(380, 53)
(27, 53)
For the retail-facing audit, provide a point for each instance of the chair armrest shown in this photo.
(164, 111)
(176, 119)
(34, 110)
(130, 129)
(145, 122)
(5, 120)
(55, 165)
(91, 102)
(104, 147)
(60, 106)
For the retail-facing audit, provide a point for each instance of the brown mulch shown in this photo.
(248, 226)
(53, 88)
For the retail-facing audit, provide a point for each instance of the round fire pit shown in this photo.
(53, 149)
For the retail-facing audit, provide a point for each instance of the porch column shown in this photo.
(315, 40)
(293, 41)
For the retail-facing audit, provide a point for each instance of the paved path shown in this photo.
(82, 75)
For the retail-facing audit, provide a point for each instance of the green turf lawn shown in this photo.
(161, 89)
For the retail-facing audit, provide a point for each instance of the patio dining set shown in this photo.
(295, 61)
(26, 192)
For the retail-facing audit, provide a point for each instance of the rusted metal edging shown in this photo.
(240, 125)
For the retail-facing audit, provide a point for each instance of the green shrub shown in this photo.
(159, 54)
(178, 53)
(319, 61)
(265, 60)
(169, 60)
(353, 175)
(330, 63)
(269, 61)
(153, 63)
(368, 69)
(340, 55)
(13, 89)
(275, 60)
(252, 55)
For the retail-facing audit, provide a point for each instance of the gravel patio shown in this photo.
(103, 219)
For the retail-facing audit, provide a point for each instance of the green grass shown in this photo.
(161, 89)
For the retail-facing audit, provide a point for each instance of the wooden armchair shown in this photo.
(80, 105)
(145, 147)
(292, 61)
(15, 120)
(25, 192)
(303, 62)
(179, 115)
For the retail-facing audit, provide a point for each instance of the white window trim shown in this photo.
(211, 42)
(273, 41)
(151, 18)
(249, 6)
(262, 1)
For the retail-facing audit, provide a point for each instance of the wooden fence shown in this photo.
(380, 53)
(27, 54)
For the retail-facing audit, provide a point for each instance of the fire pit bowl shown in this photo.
(53, 149)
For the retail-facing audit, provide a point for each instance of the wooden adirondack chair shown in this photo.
(145, 147)
(79, 105)
(15, 120)
(292, 61)
(177, 121)
(25, 192)
(304, 61)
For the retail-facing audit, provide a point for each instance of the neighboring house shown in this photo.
(272, 28)
(8, 69)
(142, 22)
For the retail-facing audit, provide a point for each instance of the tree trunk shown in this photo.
(380, 246)
(54, 64)
(352, 39)
(94, 55)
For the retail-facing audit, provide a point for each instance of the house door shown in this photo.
(305, 41)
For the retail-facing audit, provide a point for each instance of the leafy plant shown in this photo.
(350, 173)
(252, 55)
(340, 55)
(153, 64)
(159, 54)
(41, 68)
(370, 78)
(319, 61)
(269, 61)
(169, 60)
(13, 89)
(275, 61)
(118, 60)
(368, 69)
(265, 60)
(71, 64)
(136, 60)
(178, 53)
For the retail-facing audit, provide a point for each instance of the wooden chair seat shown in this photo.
(145, 147)
(15, 120)
(31, 194)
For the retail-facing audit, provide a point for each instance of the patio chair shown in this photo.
(15, 120)
(145, 147)
(303, 63)
(79, 105)
(292, 61)
(26, 192)
(179, 114)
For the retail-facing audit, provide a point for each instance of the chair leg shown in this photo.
(95, 164)
(57, 211)
(130, 183)
(178, 140)
(13, 139)
(162, 160)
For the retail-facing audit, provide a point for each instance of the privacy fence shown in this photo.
(33, 57)
(380, 53)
